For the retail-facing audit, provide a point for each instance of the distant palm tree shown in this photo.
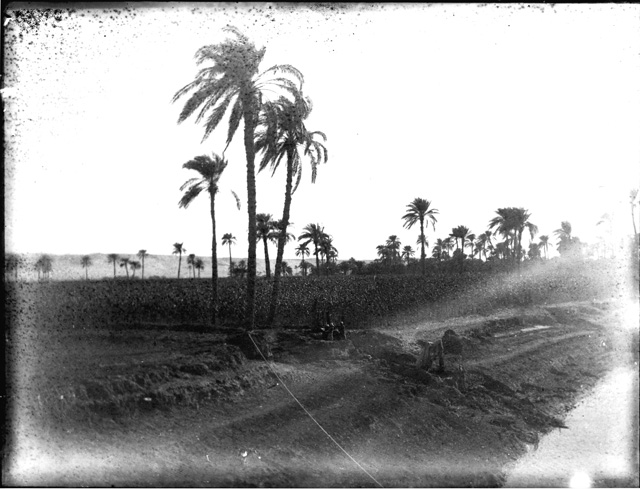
(633, 197)
(199, 265)
(470, 243)
(234, 75)
(407, 253)
(460, 233)
(191, 262)
(210, 169)
(439, 250)
(448, 247)
(229, 239)
(511, 222)
(313, 233)
(11, 265)
(544, 242)
(135, 265)
(393, 243)
(178, 249)
(264, 232)
(303, 250)
(142, 254)
(328, 250)
(113, 258)
(44, 264)
(124, 263)
(417, 211)
(85, 261)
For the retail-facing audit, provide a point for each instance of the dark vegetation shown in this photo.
(356, 298)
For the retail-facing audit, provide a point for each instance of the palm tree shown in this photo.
(44, 264)
(234, 74)
(113, 258)
(210, 169)
(85, 261)
(124, 262)
(178, 249)
(11, 265)
(229, 239)
(544, 242)
(439, 250)
(394, 245)
(448, 246)
(484, 240)
(264, 230)
(511, 222)
(633, 197)
(142, 254)
(303, 250)
(417, 211)
(565, 240)
(135, 265)
(313, 233)
(199, 265)
(470, 239)
(462, 233)
(407, 253)
(282, 133)
(191, 263)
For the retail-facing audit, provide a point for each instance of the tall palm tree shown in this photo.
(407, 253)
(313, 233)
(86, 262)
(44, 264)
(504, 223)
(485, 243)
(229, 239)
(210, 169)
(264, 232)
(470, 243)
(448, 246)
(191, 263)
(135, 265)
(417, 211)
(124, 263)
(303, 250)
(178, 249)
(113, 258)
(234, 75)
(142, 254)
(544, 242)
(511, 222)
(282, 134)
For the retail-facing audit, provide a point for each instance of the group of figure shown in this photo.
(330, 328)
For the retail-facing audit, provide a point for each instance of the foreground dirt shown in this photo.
(163, 406)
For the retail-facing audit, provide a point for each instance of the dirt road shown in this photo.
(344, 413)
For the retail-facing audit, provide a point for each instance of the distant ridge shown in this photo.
(68, 267)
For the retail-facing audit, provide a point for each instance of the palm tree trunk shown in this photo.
(214, 263)
(230, 262)
(317, 260)
(282, 237)
(422, 256)
(142, 267)
(179, 263)
(114, 269)
(266, 257)
(249, 116)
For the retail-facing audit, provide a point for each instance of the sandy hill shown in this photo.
(69, 267)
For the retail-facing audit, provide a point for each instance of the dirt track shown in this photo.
(523, 370)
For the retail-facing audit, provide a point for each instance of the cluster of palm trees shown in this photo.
(273, 108)
(124, 262)
(509, 224)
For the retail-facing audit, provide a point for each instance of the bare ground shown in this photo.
(160, 405)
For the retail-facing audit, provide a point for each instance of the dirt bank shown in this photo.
(156, 406)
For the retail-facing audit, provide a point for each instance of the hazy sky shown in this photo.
(471, 107)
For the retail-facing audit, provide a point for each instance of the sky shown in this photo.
(471, 107)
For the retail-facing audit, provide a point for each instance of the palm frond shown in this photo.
(235, 195)
(190, 194)
(289, 70)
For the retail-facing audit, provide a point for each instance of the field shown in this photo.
(124, 383)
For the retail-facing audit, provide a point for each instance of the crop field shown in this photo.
(358, 299)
